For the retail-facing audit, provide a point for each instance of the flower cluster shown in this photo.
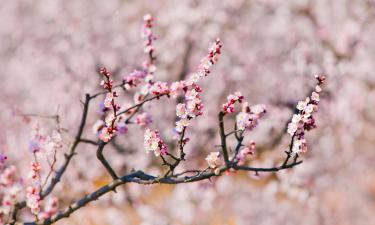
(228, 107)
(33, 200)
(149, 65)
(153, 142)
(9, 191)
(159, 88)
(134, 78)
(249, 150)
(109, 129)
(249, 117)
(304, 120)
(35, 168)
(190, 109)
(214, 161)
(211, 58)
(193, 106)
(143, 119)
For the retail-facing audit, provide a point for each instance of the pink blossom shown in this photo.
(34, 171)
(106, 134)
(213, 160)
(304, 120)
(153, 142)
(249, 117)
(249, 150)
(7, 176)
(181, 110)
(176, 87)
(159, 88)
(134, 78)
(108, 100)
(33, 199)
(228, 107)
(181, 124)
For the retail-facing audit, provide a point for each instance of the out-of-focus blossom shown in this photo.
(249, 150)
(134, 78)
(33, 200)
(143, 119)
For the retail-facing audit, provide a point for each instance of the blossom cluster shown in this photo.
(228, 107)
(149, 65)
(192, 105)
(134, 78)
(213, 160)
(249, 150)
(304, 120)
(109, 128)
(249, 117)
(33, 200)
(159, 88)
(153, 142)
(10, 188)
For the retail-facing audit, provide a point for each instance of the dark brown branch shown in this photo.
(106, 91)
(141, 103)
(223, 138)
(107, 166)
(142, 178)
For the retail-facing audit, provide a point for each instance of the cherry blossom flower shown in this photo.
(106, 134)
(228, 107)
(181, 124)
(176, 87)
(33, 174)
(153, 142)
(213, 160)
(181, 110)
(159, 88)
(249, 150)
(249, 117)
(108, 100)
